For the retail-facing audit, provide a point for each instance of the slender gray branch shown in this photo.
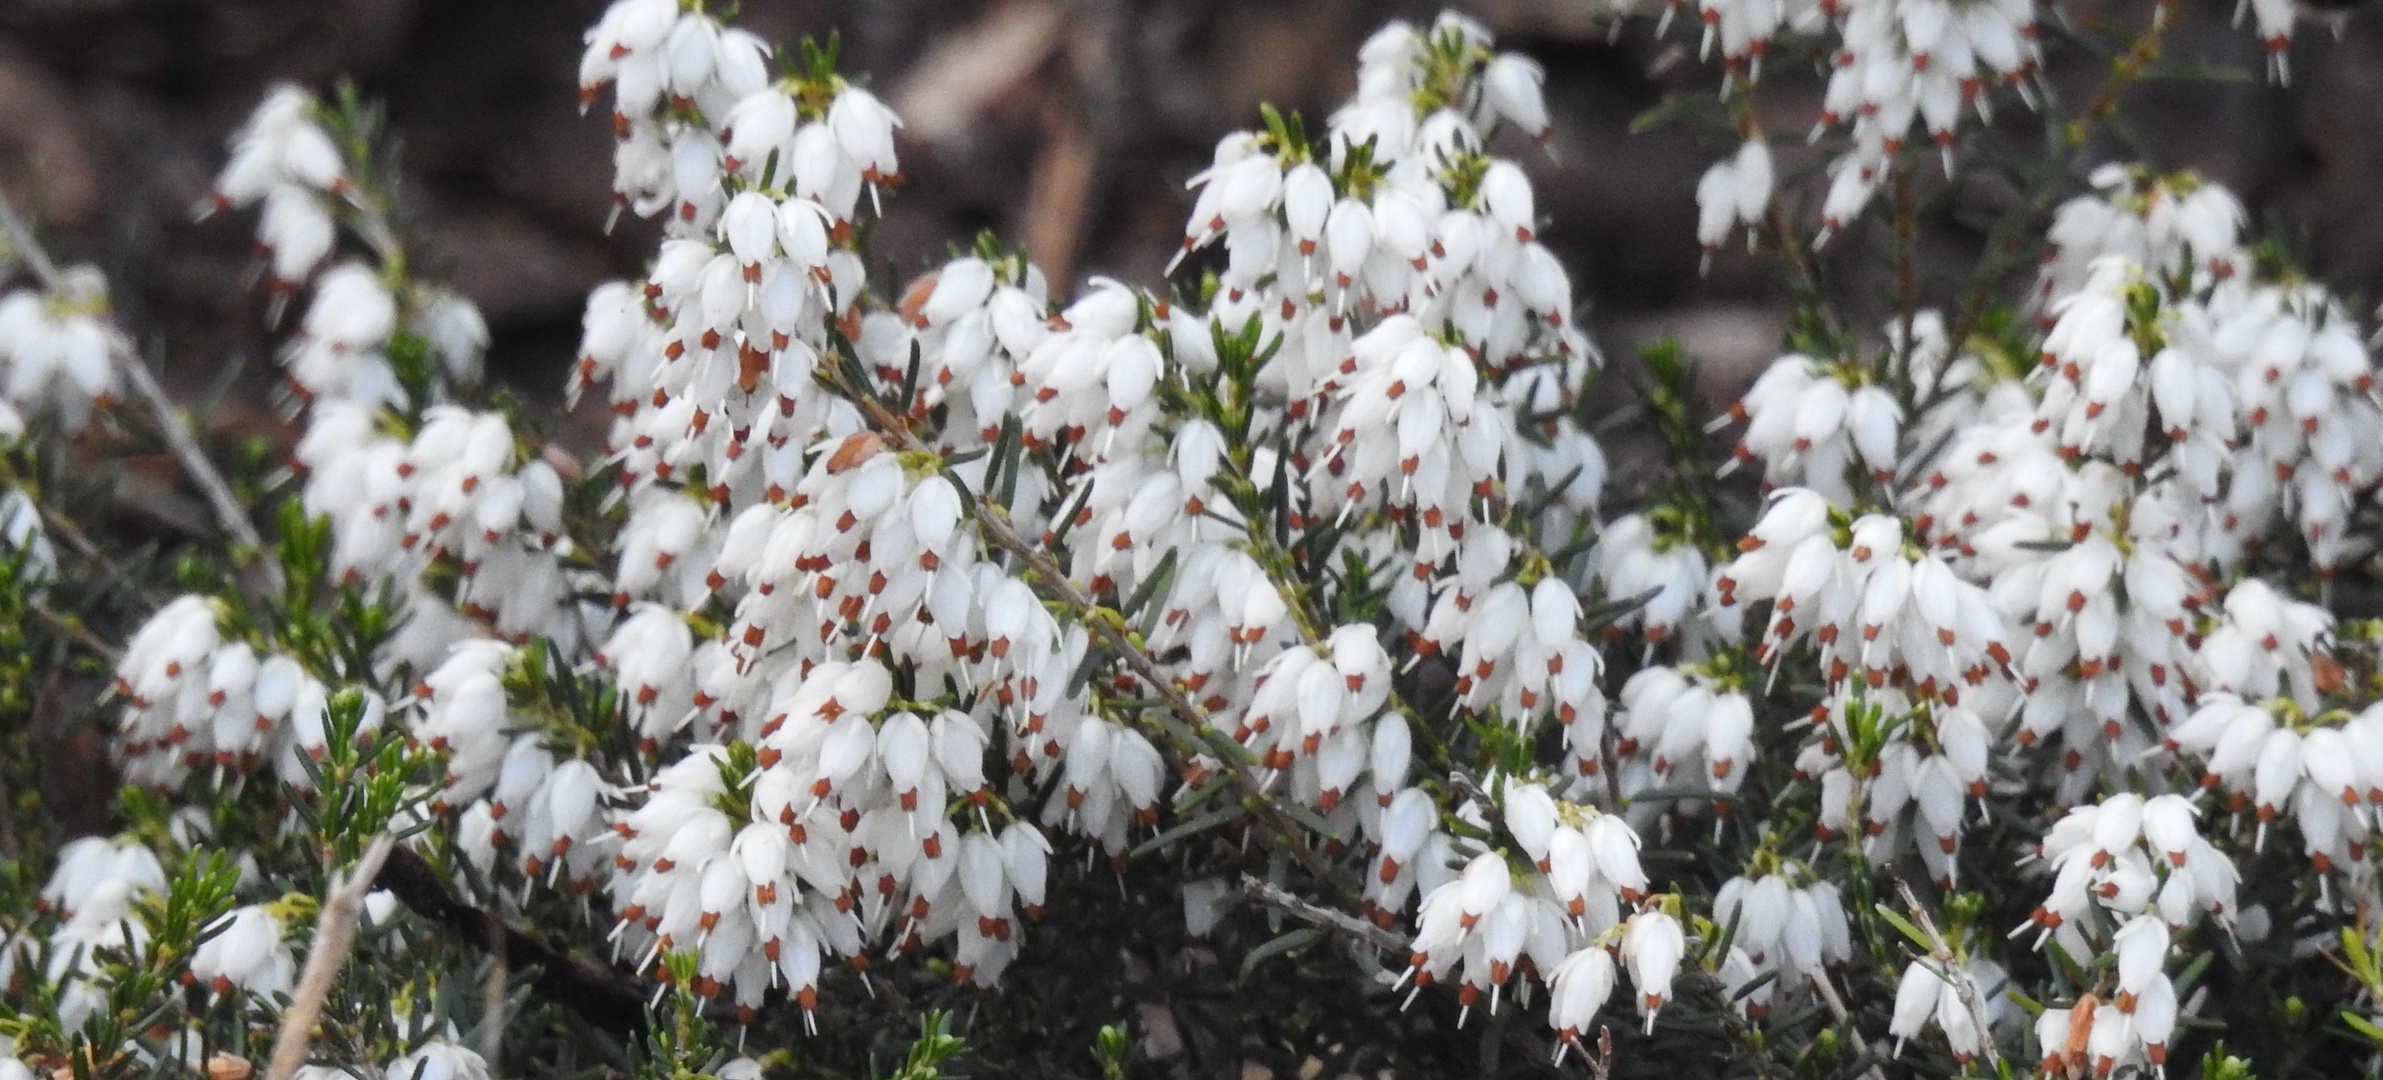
(334, 932)
(1341, 922)
(186, 449)
(1963, 986)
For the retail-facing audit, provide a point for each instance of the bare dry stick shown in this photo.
(228, 512)
(75, 629)
(1275, 896)
(492, 993)
(1836, 1004)
(1963, 986)
(334, 931)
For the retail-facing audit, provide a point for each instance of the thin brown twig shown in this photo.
(176, 429)
(1965, 987)
(171, 423)
(492, 993)
(1907, 273)
(334, 932)
(75, 629)
(1292, 904)
(605, 997)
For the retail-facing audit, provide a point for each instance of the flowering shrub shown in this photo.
(899, 622)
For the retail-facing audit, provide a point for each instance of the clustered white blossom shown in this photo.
(246, 954)
(194, 700)
(1410, 318)
(1560, 918)
(1891, 65)
(2129, 873)
(844, 614)
(1783, 937)
(58, 351)
(2322, 773)
(1674, 729)
(1635, 557)
(461, 493)
(1896, 633)
(1969, 1003)
(286, 159)
(515, 797)
(2063, 552)
(91, 893)
(1735, 192)
(411, 489)
(2159, 476)
(1808, 426)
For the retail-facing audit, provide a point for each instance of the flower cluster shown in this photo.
(1735, 192)
(2141, 866)
(1782, 938)
(462, 494)
(1893, 65)
(287, 159)
(1633, 557)
(1808, 427)
(195, 700)
(514, 796)
(1383, 319)
(2322, 776)
(1677, 729)
(1968, 1003)
(437, 504)
(91, 893)
(245, 955)
(1563, 919)
(58, 351)
(885, 607)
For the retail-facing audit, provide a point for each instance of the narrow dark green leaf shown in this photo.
(1067, 518)
(1158, 577)
(1600, 616)
(1296, 939)
(1184, 830)
(1008, 458)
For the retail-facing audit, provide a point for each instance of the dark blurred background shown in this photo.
(1069, 126)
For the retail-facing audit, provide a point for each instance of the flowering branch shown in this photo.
(746, 719)
(228, 512)
(1102, 622)
(1952, 970)
(2013, 235)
